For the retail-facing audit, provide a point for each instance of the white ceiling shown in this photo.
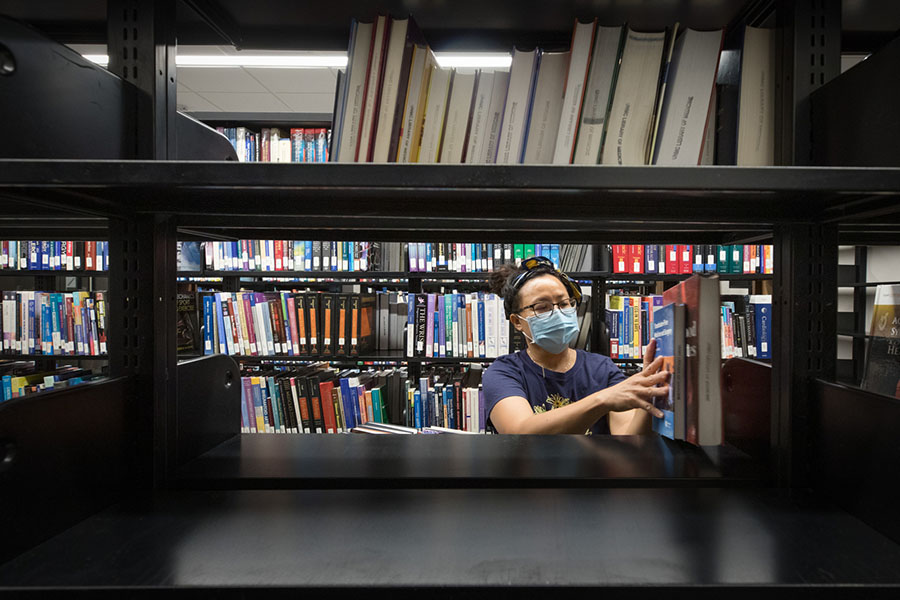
(247, 89)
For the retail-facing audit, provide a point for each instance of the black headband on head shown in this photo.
(533, 267)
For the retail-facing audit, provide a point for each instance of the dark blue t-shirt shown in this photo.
(517, 375)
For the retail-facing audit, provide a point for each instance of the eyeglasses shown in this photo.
(532, 263)
(544, 308)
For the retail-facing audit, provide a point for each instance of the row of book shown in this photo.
(54, 323)
(54, 255)
(271, 144)
(350, 256)
(616, 96)
(319, 398)
(659, 259)
(288, 324)
(20, 378)
(745, 325)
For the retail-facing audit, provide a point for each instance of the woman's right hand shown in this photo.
(639, 390)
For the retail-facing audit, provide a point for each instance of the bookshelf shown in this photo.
(804, 209)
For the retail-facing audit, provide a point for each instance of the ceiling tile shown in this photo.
(246, 102)
(318, 103)
(218, 80)
(295, 80)
(191, 102)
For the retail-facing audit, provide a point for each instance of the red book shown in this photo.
(685, 260)
(279, 253)
(703, 352)
(330, 419)
(636, 258)
(90, 253)
(620, 258)
(673, 265)
(70, 255)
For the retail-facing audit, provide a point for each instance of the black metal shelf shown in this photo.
(416, 198)
(74, 357)
(397, 357)
(45, 272)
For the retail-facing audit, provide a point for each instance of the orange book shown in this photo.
(370, 414)
(300, 307)
(325, 396)
(341, 334)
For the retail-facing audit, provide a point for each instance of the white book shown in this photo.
(631, 116)
(490, 345)
(518, 105)
(456, 123)
(494, 119)
(691, 80)
(598, 95)
(373, 88)
(708, 155)
(542, 126)
(579, 62)
(435, 109)
(756, 109)
(423, 65)
(354, 93)
(480, 105)
(390, 89)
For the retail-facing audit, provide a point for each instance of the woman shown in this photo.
(551, 388)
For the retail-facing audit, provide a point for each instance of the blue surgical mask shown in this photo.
(555, 332)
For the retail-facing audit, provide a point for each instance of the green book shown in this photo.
(736, 264)
(518, 253)
(722, 263)
(529, 250)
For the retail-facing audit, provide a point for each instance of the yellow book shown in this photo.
(260, 422)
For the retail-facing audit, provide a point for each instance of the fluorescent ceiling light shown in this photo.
(496, 60)
(493, 60)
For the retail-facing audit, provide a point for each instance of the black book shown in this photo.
(421, 316)
(287, 399)
(328, 324)
(317, 256)
(78, 256)
(313, 324)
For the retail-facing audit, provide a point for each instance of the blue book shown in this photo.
(762, 312)
(276, 405)
(711, 258)
(423, 391)
(335, 258)
(31, 335)
(428, 257)
(307, 256)
(208, 325)
(220, 325)
(476, 257)
(448, 407)
(46, 330)
(346, 401)
(358, 418)
(651, 259)
(481, 343)
(664, 328)
(554, 255)
(55, 254)
(229, 259)
(7, 387)
(417, 409)
(45, 255)
(441, 326)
